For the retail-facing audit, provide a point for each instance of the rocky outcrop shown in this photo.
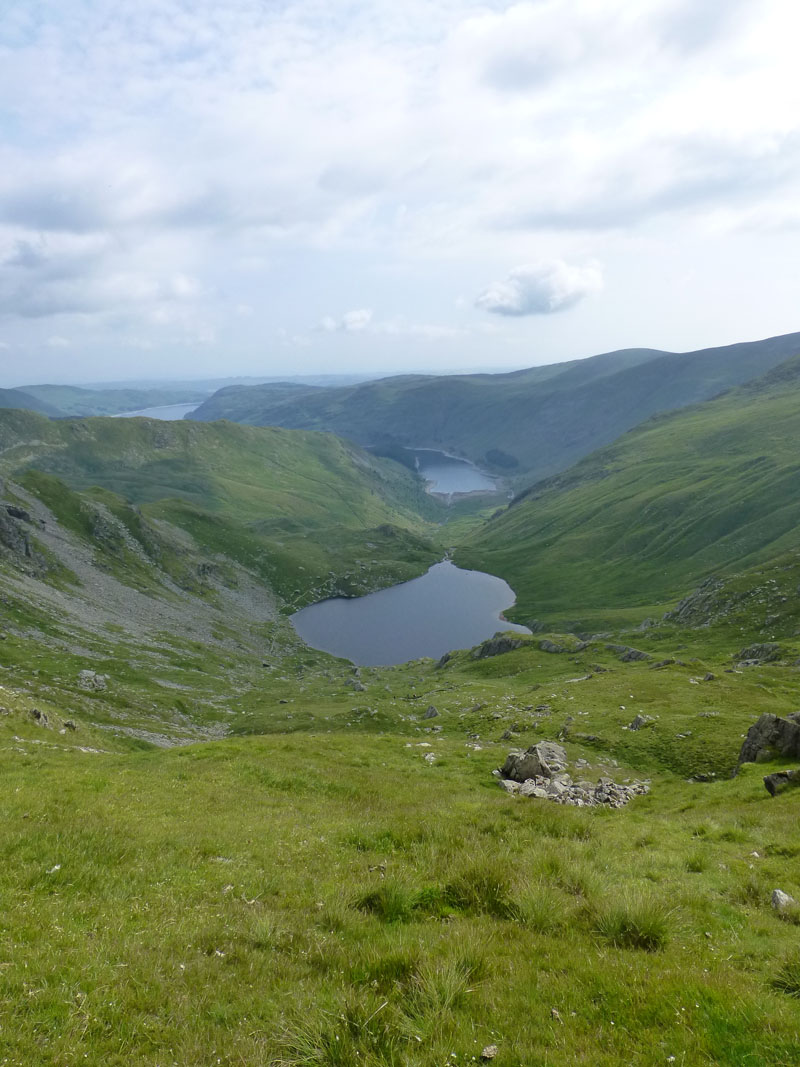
(495, 646)
(641, 720)
(628, 654)
(771, 737)
(90, 680)
(544, 759)
(430, 712)
(551, 646)
(781, 781)
(767, 652)
(540, 772)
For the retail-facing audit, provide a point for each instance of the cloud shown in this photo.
(540, 289)
(174, 162)
(58, 342)
(351, 322)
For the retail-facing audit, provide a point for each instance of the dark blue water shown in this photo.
(445, 609)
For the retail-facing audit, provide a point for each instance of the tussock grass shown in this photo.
(638, 921)
(787, 977)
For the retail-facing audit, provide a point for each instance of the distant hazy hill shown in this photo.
(27, 401)
(689, 494)
(73, 400)
(531, 422)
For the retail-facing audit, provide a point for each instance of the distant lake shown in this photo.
(446, 475)
(445, 609)
(167, 412)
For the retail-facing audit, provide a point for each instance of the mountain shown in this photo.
(527, 424)
(27, 401)
(73, 400)
(701, 492)
(295, 508)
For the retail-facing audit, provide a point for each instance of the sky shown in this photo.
(195, 188)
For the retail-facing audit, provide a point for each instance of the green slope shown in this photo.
(528, 424)
(700, 492)
(310, 513)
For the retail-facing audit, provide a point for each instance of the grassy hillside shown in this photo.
(340, 882)
(72, 400)
(702, 492)
(528, 424)
(307, 512)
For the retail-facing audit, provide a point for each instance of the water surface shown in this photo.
(445, 609)
(167, 412)
(446, 475)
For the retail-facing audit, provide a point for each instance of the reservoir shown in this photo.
(167, 412)
(447, 475)
(445, 609)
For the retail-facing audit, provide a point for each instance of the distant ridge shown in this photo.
(528, 424)
(17, 398)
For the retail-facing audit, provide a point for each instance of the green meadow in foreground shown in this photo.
(344, 882)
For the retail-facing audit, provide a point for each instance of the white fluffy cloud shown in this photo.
(540, 289)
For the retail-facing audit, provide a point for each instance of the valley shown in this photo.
(223, 845)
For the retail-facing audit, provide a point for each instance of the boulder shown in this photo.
(544, 759)
(780, 781)
(91, 680)
(430, 713)
(641, 720)
(782, 902)
(770, 737)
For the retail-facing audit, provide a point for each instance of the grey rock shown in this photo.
(766, 652)
(782, 902)
(781, 781)
(91, 680)
(770, 737)
(641, 720)
(18, 513)
(544, 759)
(551, 646)
(40, 717)
(496, 646)
(430, 712)
(634, 654)
(356, 685)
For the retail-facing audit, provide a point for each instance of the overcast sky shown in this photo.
(214, 187)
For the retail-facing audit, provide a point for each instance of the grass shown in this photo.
(638, 922)
(156, 916)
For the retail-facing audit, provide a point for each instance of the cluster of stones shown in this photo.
(540, 771)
